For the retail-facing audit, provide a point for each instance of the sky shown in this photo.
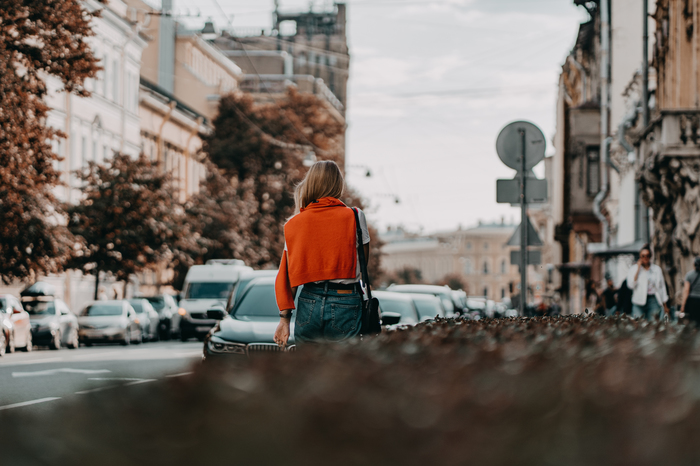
(431, 84)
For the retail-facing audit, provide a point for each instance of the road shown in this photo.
(35, 381)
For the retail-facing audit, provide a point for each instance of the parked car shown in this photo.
(249, 327)
(429, 306)
(148, 319)
(205, 286)
(15, 324)
(442, 292)
(400, 305)
(243, 282)
(166, 307)
(109, 321)
(53, 324)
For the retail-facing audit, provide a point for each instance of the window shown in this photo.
(106, 74)
(105, 152)
(115, 81)
(83, 152)
(503, 293)
(593, 159)
(486, 246)
(486, 268)
(486, 291)
(503, 266)
(468, 267)
(469, 245)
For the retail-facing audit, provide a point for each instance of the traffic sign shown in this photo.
(533, 239)
(509, 145)
(533, 258)
(508, 191)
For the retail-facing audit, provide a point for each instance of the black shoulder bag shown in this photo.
(371, 320)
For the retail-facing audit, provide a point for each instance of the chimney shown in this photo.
(209, 32)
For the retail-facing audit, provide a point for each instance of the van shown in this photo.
(205, 286)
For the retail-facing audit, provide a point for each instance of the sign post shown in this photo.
(520, 146)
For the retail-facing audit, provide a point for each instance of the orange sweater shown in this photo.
(321, 245)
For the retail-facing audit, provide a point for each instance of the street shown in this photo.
(35, 381)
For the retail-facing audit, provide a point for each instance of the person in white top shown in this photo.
(646, 280)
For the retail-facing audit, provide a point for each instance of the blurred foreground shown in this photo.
(565, 390)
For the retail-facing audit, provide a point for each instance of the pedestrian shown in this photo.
(609, 296)
(691, 294)
(321, 254)
(624, 298)
(555, 308)
(646, 280)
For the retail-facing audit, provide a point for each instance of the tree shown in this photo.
(453, 280)
(406, 276)
(37, 39)
(260, 148)
(128, 218)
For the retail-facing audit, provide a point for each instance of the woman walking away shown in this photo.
(321, 254)
(646, 280)
(691, 294)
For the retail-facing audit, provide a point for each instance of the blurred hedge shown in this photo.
(540, 391)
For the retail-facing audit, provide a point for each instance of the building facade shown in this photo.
(479, 257)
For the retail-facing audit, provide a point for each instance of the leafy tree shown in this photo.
(37, 39)
(406, 275)
(454, 281)
(260, 148)
(128, 218)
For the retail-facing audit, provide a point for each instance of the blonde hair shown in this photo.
(323, 179)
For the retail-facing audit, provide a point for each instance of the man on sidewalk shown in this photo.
(609, 296)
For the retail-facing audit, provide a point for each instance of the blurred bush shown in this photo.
(540, 391)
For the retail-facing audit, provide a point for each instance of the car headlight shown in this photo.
(182, 311)
(217, 345)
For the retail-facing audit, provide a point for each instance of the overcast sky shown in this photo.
(431, 84)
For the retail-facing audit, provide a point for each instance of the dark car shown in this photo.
(251, 325)
(167, 310)
(53, 324)
(242, 284)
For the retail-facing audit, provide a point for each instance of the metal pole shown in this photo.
(645, 65)
(523, 227)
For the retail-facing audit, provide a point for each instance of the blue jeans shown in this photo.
(325, 314)
(649, 311)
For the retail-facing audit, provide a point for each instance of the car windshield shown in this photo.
(40, 308)
(240, 288)
(209, 290)
(3, 304)
(427, 308)
(103, 310)
(259, 301)
(399, 307)
(158, 302)
(138, 306)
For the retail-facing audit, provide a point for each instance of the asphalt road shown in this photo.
(35, 381)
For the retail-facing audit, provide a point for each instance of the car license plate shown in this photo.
(202, 329)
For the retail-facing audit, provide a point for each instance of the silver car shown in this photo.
(109, 321)
(148, 318)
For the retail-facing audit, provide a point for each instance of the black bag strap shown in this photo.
(697, 275)
(361, 254)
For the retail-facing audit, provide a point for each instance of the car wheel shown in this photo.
(11, 343)
(127, 339)
(74, 342)
(30, 345)
(139, 340)
(87, 342)
(3, 345)
(55, 343)
(156, 336)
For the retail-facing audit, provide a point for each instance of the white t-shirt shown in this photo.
(365, 240)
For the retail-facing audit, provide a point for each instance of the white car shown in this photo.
(207, 286)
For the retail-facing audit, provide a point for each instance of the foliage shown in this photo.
(38, 39)
(570, 390)
(127, 218)
(454, 281)
(406, 276)
(262, 173)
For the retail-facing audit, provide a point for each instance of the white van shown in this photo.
(205, 286)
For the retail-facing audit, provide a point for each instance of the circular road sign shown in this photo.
(509, 145)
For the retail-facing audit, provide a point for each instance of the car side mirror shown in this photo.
(390, 318)
(216, 312)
